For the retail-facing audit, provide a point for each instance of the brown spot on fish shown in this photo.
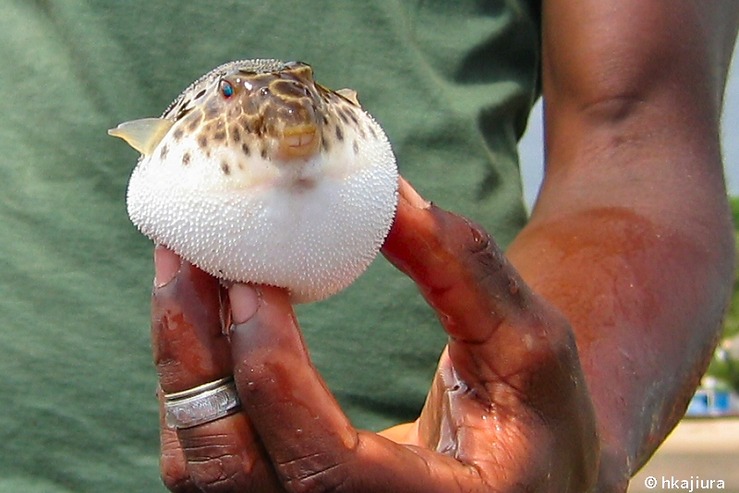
(203, 142)
(287, 89)
(245, 148)
(263, 152)
(177, 134)
(225, 168)
(235, 134)
(257, 126)
(186, 159)
(163, 153)
(355, 147)
(324, 142)
(183, 110)
(219, 136)
(343, 115)
(339, 133)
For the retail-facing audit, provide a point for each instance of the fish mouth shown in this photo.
(298, 142)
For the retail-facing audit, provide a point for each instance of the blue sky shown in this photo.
(530, 147)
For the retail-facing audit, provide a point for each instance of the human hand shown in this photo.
(508, 409)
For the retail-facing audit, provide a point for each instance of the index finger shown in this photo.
(457, 266)
(500, 330)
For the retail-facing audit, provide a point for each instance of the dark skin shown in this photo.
(570, 357)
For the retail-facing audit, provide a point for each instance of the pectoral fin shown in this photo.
(349, 94)
(144, 134)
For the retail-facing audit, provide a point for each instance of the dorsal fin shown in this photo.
(144, 134)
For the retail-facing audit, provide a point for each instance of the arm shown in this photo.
(631, 235)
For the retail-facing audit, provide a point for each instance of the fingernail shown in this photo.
(166, 265)
(244, 301)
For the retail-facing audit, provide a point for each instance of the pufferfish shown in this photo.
(256, 173)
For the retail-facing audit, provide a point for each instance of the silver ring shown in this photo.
(201, 404)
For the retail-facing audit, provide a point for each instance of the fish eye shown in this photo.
(226, 88)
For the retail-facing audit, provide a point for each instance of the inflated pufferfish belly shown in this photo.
(256, 173)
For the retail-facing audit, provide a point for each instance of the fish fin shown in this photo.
(349, 94)
(144, 134)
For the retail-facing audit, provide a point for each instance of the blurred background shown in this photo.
(702, 453)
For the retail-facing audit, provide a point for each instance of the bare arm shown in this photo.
(631, 235)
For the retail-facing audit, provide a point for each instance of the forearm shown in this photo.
(631, 236)
(645, 299)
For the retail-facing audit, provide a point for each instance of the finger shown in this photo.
(312, 445)
(455, 264)
(511, 358)
(500, 330)
(190, 349)
(293, 412)
(188, 341)
(173, 463)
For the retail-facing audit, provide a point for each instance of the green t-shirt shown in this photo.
(451, 83)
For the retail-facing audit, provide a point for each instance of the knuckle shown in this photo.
(217, 474)
(471, 247)
(218, 459)
(466, 234)
(179, 485)
(174, 474)
(478, 240)
(316, 473)
(479, 246)
(172, 464)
